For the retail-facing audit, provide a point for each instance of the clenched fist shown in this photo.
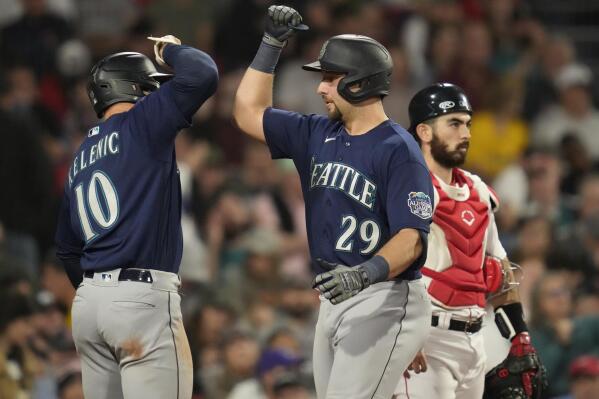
(281, 23)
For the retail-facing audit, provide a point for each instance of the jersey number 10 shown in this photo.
(105, 216)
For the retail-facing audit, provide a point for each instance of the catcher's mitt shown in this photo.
(520, 376)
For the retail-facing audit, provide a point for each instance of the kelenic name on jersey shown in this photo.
(107, 145)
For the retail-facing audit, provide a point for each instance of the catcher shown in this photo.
(466, 268)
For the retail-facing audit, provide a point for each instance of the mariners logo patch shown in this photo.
(420, 204)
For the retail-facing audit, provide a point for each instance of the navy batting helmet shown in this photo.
(122, 77)
(436, 100)
(363, 60)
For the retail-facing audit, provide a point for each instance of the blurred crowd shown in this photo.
(248, 307)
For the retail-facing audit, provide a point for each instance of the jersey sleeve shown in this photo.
(288, 133)
(69, 246)
(157, 118)
(155, 121)
(409, 196)
(494, 246)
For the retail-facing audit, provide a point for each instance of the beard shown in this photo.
(335, 114)
(445, 157)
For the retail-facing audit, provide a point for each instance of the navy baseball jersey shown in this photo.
(122, 201)
(359, 190)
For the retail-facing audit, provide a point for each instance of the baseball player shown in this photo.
(466, 265)
(119, 232)
(368, 200)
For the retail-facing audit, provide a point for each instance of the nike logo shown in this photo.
(326, 140)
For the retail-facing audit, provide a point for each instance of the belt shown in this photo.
(459, 325)
(139, 275)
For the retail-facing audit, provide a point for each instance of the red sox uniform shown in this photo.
(463, 232)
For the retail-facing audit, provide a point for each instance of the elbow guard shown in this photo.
(498, 279)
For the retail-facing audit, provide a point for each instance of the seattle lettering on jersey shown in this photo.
(345, 178)
(107, 145)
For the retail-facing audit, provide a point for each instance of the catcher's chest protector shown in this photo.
(464, 224)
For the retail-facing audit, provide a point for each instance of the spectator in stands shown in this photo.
(579, 249)
(557, 52)
(240, 355)
(577, 163)
(104, 24)
(560, 338)
(205, 337)
(499, 136)
(299, 304)
(19, 365)
(584, 378)
(586, 303)
(544, 171)
(471, 70)
(404, 88)
(574, 112)
(34, 38)
(273, 364)
(258, 277)
(25, 167)
(532, 250)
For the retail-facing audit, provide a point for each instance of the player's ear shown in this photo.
(424, 132)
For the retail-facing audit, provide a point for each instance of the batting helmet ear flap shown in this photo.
(369, 86)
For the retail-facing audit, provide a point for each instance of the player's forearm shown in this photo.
(72, 265)
(510, 296)
(253, 96)
(403, 249)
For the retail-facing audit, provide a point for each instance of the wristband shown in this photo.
(374, 270)
(266, 58)
(510, 320)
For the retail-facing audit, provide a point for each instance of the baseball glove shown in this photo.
(520, 376)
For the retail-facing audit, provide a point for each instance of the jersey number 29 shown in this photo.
(105, 216)
(369, 231)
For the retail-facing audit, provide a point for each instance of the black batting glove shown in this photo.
(281, 23)
(340, 282)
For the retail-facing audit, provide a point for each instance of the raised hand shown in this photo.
(281, 23)
(160, 43)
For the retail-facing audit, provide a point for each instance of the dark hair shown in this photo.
(430, 122)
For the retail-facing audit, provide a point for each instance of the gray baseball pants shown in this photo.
(131, 339)
(363, 345)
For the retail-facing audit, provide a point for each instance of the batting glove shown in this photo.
(281, 24)
(159, 45)
(340, 282)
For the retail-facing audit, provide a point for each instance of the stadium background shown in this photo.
(528, 67)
